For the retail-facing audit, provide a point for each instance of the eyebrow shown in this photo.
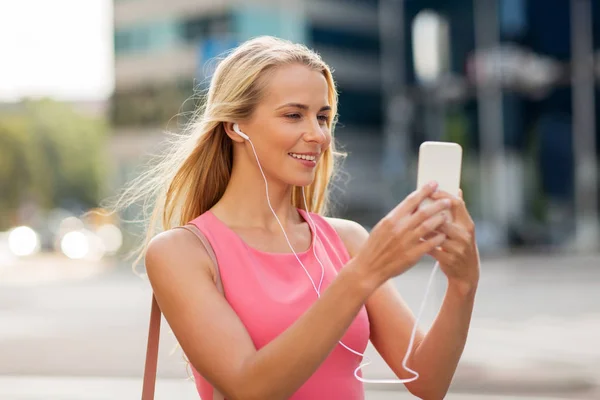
(303, 106)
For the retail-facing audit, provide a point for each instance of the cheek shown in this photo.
(280, 138)
(288, 139)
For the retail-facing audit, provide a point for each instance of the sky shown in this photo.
(56, 48)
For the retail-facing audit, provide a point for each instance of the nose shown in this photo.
(316, 133)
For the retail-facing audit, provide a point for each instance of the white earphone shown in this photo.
(236, 129)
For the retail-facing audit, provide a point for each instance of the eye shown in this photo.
(323, 118)
(294, 116)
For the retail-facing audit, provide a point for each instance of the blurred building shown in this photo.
(407, 71)
(164, 49)
(534, 119)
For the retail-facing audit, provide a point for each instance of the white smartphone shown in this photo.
(440, 162)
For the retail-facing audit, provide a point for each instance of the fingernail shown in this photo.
(447, 202)
(433, 184)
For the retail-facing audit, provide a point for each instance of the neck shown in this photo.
(245, 204)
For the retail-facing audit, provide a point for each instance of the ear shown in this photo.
(228, 127)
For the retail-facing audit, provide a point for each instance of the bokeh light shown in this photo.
(23, 241)
(111, 237)
(75, 245)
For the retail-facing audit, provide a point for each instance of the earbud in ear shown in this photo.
(236, 129)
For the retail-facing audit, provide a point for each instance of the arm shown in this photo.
(436, 354)
(216, 342)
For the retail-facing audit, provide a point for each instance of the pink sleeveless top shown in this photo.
(269, 291)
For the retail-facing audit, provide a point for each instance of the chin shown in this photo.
(300, 179)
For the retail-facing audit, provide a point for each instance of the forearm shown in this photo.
(437, 355)
(281, 367)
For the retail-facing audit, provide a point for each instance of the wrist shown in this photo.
(462, 288)
(360, 277)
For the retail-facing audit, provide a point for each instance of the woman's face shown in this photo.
(289, 128)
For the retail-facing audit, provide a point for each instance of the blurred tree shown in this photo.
(17, 163)
(52, 156)
(154, 105)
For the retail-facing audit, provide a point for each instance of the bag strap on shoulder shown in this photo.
(154, 328)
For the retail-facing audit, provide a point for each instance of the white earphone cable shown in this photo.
(318, 289)
(281, 225)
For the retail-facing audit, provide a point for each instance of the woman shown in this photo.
(303, 293)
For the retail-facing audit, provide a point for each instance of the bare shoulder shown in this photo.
(353, 234)
(179, 271)
(177, 251)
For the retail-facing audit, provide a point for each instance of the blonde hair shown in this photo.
(191, 176)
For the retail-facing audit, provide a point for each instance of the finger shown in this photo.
(427, 246)
(441, 256)
(412, 201)
(428, 228)
(431, 234)
(460, 194)
(427, 212)
(440, 194)
(452, 247)
(454, 231)
(458, 206)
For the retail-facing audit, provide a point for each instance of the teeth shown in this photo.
(303, 157)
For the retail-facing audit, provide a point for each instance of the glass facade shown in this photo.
(370, 3)
(147, 37)
(200, 27)
(360, 108)
(255, 20)
(513, 18)
(165, 34)
(345, 39)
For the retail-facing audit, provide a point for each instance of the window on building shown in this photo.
(200, 27)
(142, 38)
(513, 19)
(371, 3)
(121, 42)
(360, 107)
(345, 39)
(163, 34)
(194, 29)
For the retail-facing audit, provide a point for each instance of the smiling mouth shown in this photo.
(303, 157)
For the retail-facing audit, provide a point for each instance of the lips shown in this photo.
(304, 156)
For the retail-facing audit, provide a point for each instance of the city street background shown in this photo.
(89, 89)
